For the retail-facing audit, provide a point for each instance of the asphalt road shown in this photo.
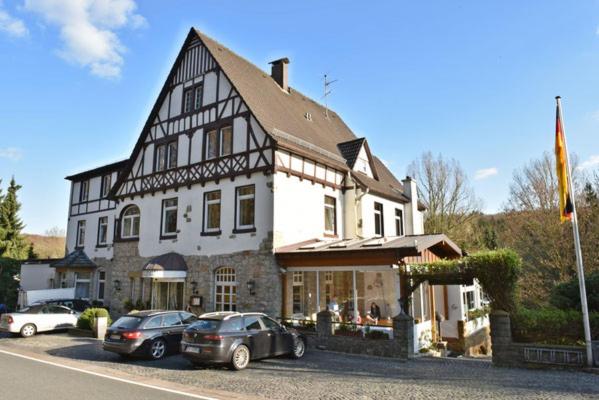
(22, 378)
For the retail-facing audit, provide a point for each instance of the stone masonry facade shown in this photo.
(259, 266)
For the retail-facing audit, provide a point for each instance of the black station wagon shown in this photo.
(233, 339)
(147, 333)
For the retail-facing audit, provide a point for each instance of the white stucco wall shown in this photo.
(36, 276)
(367, 208)
(299, 209)
(189, 240)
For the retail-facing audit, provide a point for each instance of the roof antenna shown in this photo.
(327, 92)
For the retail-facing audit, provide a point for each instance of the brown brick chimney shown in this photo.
(279, 72)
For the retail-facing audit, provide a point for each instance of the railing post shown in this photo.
(324, 324)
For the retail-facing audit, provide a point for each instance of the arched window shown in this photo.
(225, 298)
(130, 222)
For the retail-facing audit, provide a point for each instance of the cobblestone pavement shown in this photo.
(327, 375)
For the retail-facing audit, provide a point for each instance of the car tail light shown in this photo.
(213, 337)
(131, 335)
(9, 319)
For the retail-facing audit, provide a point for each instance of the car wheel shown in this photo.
(299, 348)
(157, 349)
(28, 330)
(240, 358)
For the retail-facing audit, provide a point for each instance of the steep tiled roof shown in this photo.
(276, 109)
(76, 259)
(104, 169)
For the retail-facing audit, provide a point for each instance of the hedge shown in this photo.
(552, 326)
(566, 296)
(86, 319)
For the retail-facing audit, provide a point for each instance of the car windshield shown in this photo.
(205, 325)
(126, 322)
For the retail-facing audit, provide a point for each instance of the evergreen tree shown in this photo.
(12, 243)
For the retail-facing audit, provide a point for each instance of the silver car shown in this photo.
(38, 318)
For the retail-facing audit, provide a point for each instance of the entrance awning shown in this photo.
(169, 266)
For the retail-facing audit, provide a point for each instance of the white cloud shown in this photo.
(11, 153)
(11, 25)
(485, 173)
(591, 162)
(88, 30)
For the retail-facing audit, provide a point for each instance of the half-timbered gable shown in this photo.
(200, 130)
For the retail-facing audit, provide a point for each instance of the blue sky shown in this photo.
(472, 80)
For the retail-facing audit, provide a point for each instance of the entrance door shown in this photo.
(167, 295)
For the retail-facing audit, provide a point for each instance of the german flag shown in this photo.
(565, 202)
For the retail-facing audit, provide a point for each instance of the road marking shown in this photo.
(195, 396)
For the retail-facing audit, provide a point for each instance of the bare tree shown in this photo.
(450, 200)
(535, 185)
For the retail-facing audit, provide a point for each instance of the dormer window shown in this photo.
(192, 99)
(166, 156)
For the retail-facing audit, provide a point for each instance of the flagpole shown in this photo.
(577, 248)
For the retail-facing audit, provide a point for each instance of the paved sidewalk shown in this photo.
(326, 375)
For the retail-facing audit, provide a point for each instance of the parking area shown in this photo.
(327, 375)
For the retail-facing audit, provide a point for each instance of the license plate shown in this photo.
(115, 337)
(192, 349)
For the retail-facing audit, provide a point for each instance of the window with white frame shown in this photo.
(225, 293)
(106, 182)
(398, 222)
(226, 140)
(169, 217)
(101, 285)
(102, 231)
(330, 215)
(379, 226)
(84, 191)
(298, 292)
(244, 210)
(469, 301)
(82, 285)
(81, 233)
(192, 99)
(166, 156)
(212, 211)
(219, 142)
(130, 223)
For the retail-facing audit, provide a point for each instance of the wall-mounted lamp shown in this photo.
(117, 285)
(194, 287)
(251, 284)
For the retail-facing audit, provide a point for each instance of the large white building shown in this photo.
(243, 194)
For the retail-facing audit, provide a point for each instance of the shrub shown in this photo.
(86, 319)
(376, 335)
(566, 296)
(551, 326)
(479, 312)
